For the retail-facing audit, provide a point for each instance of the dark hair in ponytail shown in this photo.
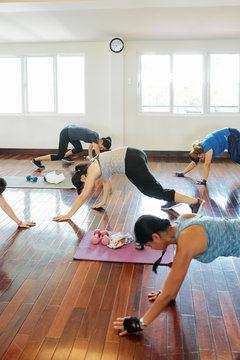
(3, 185)
(80, 169)
(147, 225)
(107, 142)
(157, 263)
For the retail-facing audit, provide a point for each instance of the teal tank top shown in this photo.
(223, 236)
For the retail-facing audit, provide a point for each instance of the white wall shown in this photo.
(111, 100)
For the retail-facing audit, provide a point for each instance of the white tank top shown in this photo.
(112, 162)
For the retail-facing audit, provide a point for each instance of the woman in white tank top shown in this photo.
(133, 163)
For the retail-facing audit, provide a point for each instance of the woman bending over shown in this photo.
(213, 145)
(73, 134)
(196, 237)
(131, 162)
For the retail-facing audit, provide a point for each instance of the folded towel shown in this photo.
(54, 178)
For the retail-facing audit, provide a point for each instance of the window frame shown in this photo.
(209, 85)
(24, 85)
(205, 85)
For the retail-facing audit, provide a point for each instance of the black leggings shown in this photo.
(137, 172)
(234, 145)
(63, 145)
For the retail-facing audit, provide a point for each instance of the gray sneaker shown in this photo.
(68, 160)
(169, 205)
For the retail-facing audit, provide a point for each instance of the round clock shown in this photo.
(116, 45)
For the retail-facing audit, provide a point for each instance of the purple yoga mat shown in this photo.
(126, 254)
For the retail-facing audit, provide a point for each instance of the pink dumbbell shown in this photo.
(97, 232)
(105, 240)
(105, 232)
(95, 239)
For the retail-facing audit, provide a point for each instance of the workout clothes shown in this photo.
(73, 134)
(81, 133)
(217, 141)
(222, 236)
(234, 145)
(133, 163)
(112, 162)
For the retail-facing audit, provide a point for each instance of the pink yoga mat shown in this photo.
(126, 254)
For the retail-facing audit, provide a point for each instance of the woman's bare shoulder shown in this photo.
(187, 216)
(94, 168)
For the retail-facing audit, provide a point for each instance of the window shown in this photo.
(52, 84)
(224, 83)
(70, 89)
(10, 85)
(155, 83)
(189, 83)
(40, 88)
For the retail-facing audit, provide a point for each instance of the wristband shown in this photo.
(20, 223)
(142, 323)
(132, 325)
(179, 174)
(202, 182)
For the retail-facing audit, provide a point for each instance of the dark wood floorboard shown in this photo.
(52, 307)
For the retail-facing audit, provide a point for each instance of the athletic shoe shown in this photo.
(38, 164)
(68, 160)
(169, 205)
(196, 208)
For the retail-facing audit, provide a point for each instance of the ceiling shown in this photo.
(100, 20)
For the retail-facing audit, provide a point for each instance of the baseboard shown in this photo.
(177, 154)
(169, 154)
(151, 153)
(33, 152)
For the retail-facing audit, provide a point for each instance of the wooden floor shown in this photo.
(52, 307)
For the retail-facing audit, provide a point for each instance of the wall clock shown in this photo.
(116, 45)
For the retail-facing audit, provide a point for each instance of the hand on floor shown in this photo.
(61, 218)
(27, 225)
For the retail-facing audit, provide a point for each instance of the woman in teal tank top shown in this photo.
(197, 237)
(223, 236)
